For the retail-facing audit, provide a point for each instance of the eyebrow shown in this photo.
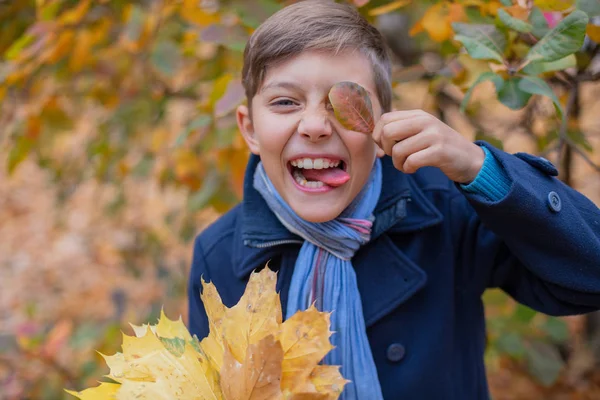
(280, 84)
(291, 86)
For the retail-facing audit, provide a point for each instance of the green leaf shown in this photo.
(511, 344)
(486, 76)
(202, 197)
(540, 67)
(18, 153)
(506, 3)
(512, 96)
(578, 137)
(535, 85)
(14, 50)
(538, 22)
(219, 88)
(166, 57)
(201, 121)
(514, 23)
(590, 7)
(134, 26)
(557, 329)
(566, 38)
(482, 41)
(493, 140)
(544, 362)
(352, 106)
(524, 314)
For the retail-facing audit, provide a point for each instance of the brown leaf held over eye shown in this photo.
(352, 106)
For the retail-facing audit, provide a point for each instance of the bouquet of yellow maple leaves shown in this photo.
(249, 354)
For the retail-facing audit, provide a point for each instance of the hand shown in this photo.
(416, 139)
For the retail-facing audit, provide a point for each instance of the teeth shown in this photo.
(317, 163)
(303, 182)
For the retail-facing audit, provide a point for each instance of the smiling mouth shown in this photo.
(315, 173)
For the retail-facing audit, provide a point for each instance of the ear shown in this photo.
(244, 121)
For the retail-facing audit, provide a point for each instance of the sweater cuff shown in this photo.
(492, 181)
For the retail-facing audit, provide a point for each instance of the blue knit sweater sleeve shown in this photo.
(492, 181)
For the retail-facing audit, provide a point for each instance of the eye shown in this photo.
(284, 103)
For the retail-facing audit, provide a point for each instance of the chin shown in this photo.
(316, 215)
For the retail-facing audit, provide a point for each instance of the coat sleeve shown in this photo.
(197, 319)
(540, 243)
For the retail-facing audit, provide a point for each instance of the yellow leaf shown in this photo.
(215, 310)
(219, 88)
(279, 360)
(438, 19)
(63, 46)
(305, 341)
(147, 369)
(255, 316)
(593, 31)
(170, 329)
(554, 5)
(518, 12)
(258, 377)
(393, 6)
(80, 56)
(192, 12)
(104, 391)
(328, 379)
(75, 14)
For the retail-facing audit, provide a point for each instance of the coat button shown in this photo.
(395, 352)
(554, 202)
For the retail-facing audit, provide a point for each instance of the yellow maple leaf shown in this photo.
(102, 392)
(215, 310)
(249, 354)
(305, 341)
(256, 315)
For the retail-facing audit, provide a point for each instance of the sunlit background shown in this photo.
(118, 145)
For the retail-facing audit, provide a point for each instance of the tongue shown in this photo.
(330, 176)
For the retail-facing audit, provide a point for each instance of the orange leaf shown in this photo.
(438, 19)
(258, 377)
(593, 31)
(81, 51)
(57, 338)
(352, 106)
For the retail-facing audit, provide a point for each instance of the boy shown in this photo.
(399, 232)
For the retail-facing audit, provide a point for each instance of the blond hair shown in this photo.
(320, 25)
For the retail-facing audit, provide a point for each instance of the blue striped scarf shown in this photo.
(323, 274)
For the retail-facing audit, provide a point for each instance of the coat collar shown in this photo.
(402, 207)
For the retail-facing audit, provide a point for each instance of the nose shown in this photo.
(315, 126)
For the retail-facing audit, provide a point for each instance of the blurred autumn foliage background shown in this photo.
(118, 145)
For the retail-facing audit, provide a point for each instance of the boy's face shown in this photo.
(292, 120)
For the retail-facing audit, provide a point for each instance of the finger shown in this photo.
(395, 116)
(398, 131)
(403, 150)
(425, 158)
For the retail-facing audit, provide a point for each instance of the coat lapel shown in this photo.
(402, 208)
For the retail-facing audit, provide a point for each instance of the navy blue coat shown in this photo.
(434, 251)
